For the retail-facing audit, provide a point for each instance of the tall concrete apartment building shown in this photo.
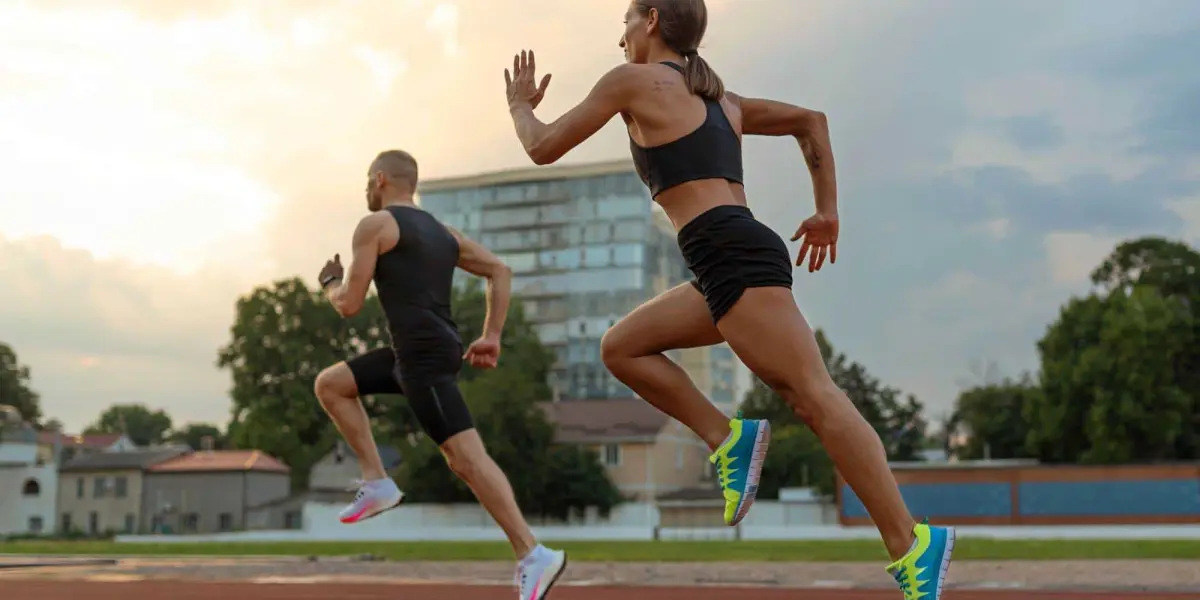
(586, 246)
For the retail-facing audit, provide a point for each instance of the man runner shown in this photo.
(411, 257)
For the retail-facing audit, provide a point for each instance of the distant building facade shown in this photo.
(28, 485)
(104, 491)
(211, 490)
(586, 246)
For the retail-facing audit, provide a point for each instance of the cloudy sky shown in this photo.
(157, 159)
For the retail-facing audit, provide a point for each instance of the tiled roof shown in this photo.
(590, 421)
(119, 461)
(221, 460)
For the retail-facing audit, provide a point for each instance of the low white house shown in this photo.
(28, 485)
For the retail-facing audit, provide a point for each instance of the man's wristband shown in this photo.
(328, 280)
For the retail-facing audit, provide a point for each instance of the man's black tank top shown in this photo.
(711, 151)
(414, 280)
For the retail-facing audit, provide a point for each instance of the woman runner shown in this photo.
(685, 136)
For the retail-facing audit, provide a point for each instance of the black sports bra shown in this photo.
(711, 151)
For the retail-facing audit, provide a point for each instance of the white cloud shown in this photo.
(996, 229)
(443, 23)
(1072, 255)
(1108, 120)
(1188, 210)
(226, 135)
(384, 67)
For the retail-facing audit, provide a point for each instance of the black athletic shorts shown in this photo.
(431, 389)
(729, 251)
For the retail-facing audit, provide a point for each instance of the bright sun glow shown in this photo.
(108, 153)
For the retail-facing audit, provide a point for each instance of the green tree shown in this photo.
(142, 425)
(1112, 392)
(993, 417)
(283, 336)
(1121, 367)
(193, 435)
(14, 386)
(1173, 269)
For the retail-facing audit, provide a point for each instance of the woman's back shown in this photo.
(686, 148)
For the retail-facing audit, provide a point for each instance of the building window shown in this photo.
(226, 522)
(31, 488)
(65, 520)
(120, 487)
(99, 487)
(130, 523)
(612, 455)
(93, 522)
(292, 520)
(191, 522)
(35, 524)
(79, 487)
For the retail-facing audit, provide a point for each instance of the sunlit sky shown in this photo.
(157, 159)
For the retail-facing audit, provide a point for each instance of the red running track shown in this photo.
(161, 590)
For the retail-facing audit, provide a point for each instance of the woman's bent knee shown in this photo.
(334, 382)
(811, 398)
(613, 347)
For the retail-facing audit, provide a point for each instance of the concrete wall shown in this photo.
(631, 521)
(219, 501)
(677, 459)
(645, 534)
(20, 511)
(112, 512)
(1043, 495)
(328, 474)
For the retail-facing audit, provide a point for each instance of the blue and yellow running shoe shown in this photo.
(922, 572)
(739, 462)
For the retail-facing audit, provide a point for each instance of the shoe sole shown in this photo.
(553, 580)
(370, 516)
(762, 439)
(945, 566)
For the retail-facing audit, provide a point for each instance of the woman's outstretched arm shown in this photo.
(548, 142)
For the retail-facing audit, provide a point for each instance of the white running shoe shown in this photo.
(373, 497)
(537, 572)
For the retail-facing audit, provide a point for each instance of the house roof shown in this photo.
(221, 461)
(68, 440)
(119, 461)
(589, 421)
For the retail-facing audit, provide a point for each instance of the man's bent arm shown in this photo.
(477, 260)
(349, 295)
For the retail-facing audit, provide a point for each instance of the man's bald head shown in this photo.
(393, 174)
(398, 165)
